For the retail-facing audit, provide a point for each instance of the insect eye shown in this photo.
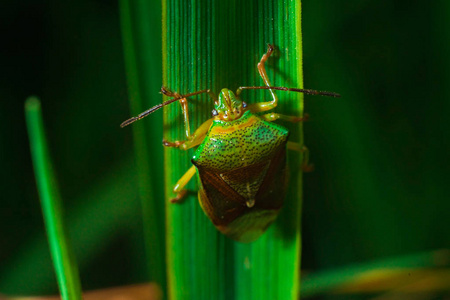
(244, 105)
(214, 113)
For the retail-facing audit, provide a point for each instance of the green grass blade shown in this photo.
(63, 259)
(109, 207)
(217, 44)
(140, 24)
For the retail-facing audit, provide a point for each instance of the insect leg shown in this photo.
(263, 73)
(194, 140)
(263, 106)
(182, 182)
(184, 108)
(274, 116)
(306, 166)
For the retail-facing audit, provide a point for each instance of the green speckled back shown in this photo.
(239, 143)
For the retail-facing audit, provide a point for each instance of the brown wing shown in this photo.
(220, 202)
(223, 204)
(272, 191)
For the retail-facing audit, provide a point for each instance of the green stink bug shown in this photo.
(240, 159)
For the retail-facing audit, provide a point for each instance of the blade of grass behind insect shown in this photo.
(217, 44)
(140, 24)
(194, 249)
(107, 208)
(63, 258)
(271, 265)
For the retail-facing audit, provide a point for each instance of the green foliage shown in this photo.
(204, 46)
(138, 19)
(60, 248)
(380, 184)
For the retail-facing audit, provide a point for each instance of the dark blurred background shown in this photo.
(380, 185)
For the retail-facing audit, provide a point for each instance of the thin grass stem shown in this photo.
(62, 254)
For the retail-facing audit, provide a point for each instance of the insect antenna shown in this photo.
(280, 88)
(156, 107)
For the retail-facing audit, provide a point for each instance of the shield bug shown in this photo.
(240, 159)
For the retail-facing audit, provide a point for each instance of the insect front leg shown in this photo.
(306, 166)
(199, 134)
(194, 140)
(265, 78)
(182, 182)
(184, 108)
(264, 106)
